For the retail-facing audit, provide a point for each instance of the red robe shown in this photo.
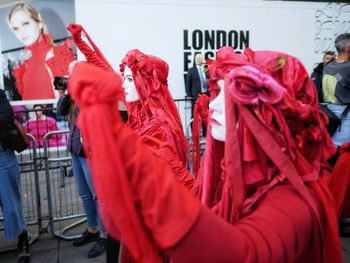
(155, 116)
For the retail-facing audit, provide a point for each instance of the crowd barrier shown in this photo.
(50, 199)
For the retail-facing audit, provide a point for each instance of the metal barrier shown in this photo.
(63, 200)
(49, 195)
(185, 109)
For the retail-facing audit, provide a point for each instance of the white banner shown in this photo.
(174, 30)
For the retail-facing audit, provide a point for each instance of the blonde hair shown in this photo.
(33, 13)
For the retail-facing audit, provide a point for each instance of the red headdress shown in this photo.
(156, 105)
(275, 134)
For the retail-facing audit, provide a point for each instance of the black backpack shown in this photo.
(334, 123)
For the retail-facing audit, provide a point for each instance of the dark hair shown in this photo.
(38, 105)
(331, 53)
(341, 42)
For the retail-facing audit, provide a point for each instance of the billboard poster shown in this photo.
(35, 49)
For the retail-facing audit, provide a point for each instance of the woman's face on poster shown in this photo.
(25, 28)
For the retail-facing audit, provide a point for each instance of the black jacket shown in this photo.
(6, 117)
(316, 77)
(340, 71)
(74, 139)
(193, 83)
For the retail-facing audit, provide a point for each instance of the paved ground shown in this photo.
(49, 249)
(346, 249)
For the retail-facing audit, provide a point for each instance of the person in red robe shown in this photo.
(152, 112)
(263, 190)
(34, 77)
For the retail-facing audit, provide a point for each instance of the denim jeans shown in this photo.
(10, 195)
(343, 135)
(86, 191)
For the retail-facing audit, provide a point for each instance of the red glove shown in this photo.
(94, 55)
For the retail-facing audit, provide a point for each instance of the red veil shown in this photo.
(155, 114)
(281, 138)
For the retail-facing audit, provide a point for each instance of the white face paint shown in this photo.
(130, 91)
(218, 122)
(25, 28)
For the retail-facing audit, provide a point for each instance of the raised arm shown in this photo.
(92, 55)
(275, 232)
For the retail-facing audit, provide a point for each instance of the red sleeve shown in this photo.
(281, 229)
(93, 56)
(59, 63)
(162, 150)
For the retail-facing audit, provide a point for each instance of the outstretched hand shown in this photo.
(75, 29)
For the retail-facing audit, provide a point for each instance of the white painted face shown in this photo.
(218, 119)
(25, 28)
(130, 91)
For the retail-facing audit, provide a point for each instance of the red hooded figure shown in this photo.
(264, 187)
(155, 114)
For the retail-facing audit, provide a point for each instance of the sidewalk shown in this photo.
(49, 249)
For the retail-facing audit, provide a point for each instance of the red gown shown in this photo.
(283, 213)
(156, 119)
(155, 116)
(33, 79)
